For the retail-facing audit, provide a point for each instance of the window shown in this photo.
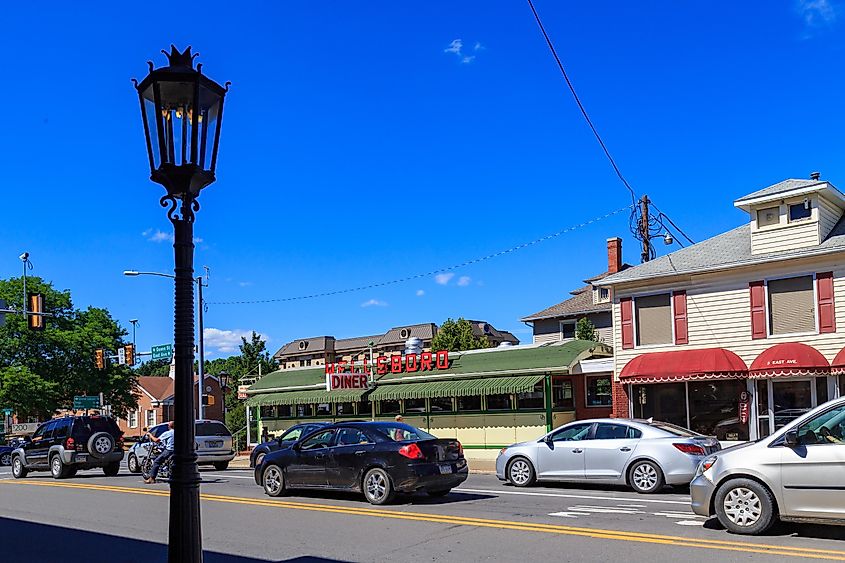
(604, 295)
(389, 407)
(318, 440)
(792, 305)
(344, 409)
(616, 432)
(304, 411)
(573, 432)
(284, 411)
(827, 428)
(150, 419)
(62, 428)
(471, 403)
(714, 409)
(799, 211)
(292, 434)
(821, 391)
(665, 402)
(599, 391)
(403, 432)
(133, 419)
(324, 409)
(763, 407)
(365, 408)
(441, 404)
(498, 402)
(562, 394)
(39, 433)
(48, 431)
(534, 399)
(654, 319)
(414, 406)
(768, 217)
(352, 437)
(212, 428)
(567, 330)
(267, 412)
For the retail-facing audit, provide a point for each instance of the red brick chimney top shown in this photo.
(614, 255)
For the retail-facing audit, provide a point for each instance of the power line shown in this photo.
(671, 222)
(432, 272)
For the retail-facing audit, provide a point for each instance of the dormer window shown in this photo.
(604, 295)
(768, 217)
(800, 211)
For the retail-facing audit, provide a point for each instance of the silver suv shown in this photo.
(796, 474)
(213, 445)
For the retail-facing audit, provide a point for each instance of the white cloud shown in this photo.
(454, 47)
(374, 303)
(226, 341)
(197, 240)
(464, 281)
(245, 283)
(817, 14)
(467, 60)
(478, 46)
(443, 279)
(156, 235)
(420, 292)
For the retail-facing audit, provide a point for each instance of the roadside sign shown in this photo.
(162, 352)
(242, 391)
(85, 402)
(121, 356)
(23, 429)
(8, 412)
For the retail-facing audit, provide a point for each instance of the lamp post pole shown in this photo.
(201, 365)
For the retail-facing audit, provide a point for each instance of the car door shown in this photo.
(813, 472)
(309, 464)
(353, 449)
(560, 455)
(609, 450)
(36, 450)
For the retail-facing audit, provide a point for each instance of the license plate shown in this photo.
(81, 457)
(444, 469)
(215, 444)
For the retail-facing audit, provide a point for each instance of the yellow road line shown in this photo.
(676, 541)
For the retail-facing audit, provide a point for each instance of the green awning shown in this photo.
(305, 397)
(457, 387)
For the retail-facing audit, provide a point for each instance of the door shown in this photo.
(607, 454)
(36, 451)
(347, 459)
(791, 398)
(562, 456)
(309, 467)
(812, 472)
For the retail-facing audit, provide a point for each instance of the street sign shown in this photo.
(85, 402)
(8, 412)
(121, 356)
(242, 391)
(163, 352)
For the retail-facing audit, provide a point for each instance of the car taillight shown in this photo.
(691, 449)
(411, 451)
(70, 443)
(460, 450)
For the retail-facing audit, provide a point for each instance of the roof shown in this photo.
(790, 188)
(728, 250)
(394, 335)
(313, 344)
(482, 328)
(581, 304)
(159, 388)
(781, 187)
(458, 388)
(357, 343)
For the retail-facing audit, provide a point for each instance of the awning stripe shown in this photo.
(683, 377)
(457, 387)
(305, 397)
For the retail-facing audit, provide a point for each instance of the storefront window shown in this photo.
(344, 409)
(389, 407)
(791, 398)
(562, 394)
(842, 385)
(472, 403)
(599, 391)
(763, 408)
(821, 390)
(665, 402)
(498, 402)
(365, 408)
(441, 404)
(266, 412)
(414, 406)
(324, 409)
(282, 411)
(304, 410)
(533, 399)
(714, 409)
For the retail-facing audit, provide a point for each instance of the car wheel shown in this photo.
(221, 465)
(438, 494)
(744, 506)
(112, 469)
(646, 477)
(6, 459)
(377, 486)
(132, 464)
(273, 480)
(521, 472)
(18, 469)
(57, 467)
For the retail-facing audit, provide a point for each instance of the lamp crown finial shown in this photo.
(183, 59)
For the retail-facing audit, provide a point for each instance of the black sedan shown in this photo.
(287, 439)
(377, 459)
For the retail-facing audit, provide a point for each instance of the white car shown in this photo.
(213, 445)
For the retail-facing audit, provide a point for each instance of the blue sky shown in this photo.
(368, 141)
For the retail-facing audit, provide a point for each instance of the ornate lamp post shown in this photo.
(182, 111)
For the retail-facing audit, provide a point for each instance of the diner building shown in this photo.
(487, 398)
(739, 334)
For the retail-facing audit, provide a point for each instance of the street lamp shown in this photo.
(182, 110)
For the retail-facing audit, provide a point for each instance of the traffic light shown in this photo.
(100, 358)
(35, 316)
(129, 354)
(208, 400)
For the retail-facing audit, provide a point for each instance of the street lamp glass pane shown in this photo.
(152, 126)
(207, 132)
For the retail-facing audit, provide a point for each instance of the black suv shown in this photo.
(64, 445)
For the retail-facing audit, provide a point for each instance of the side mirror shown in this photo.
(791, 438)
(144, 429)
(27, 439)
(548, 438)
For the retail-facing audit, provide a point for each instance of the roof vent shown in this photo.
(413, 345)
(815, 175)
(303, 345)
(404, 333)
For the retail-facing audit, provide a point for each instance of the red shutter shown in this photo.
(758, 309)
(827, 311)
(679, 308)
(627, 312)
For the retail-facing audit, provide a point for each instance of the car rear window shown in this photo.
(675, 430)
(212, 429)
(403, 433)
(90, 425)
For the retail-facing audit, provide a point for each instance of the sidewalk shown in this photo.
(475, 465)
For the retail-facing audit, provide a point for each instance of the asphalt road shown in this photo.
(93, 518)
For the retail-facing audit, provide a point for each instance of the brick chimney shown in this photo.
(614, 255)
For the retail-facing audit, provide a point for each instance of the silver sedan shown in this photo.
(644, 454)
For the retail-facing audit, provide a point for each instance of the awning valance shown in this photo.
(305, 397)
(684, 365)
(789, 359)
(837, 366)
(457, 387)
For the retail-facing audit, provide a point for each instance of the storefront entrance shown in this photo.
(780, 401)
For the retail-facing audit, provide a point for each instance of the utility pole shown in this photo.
(26, 264)
(134, 322)
(201, 370)
(644, 231)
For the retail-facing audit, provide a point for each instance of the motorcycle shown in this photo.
(164, 471)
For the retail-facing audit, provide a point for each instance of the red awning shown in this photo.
(837, 366)
(789, 358)
(684, 365)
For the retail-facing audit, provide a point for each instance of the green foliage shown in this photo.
(586, 330)
(60, 359)
(155, 368)
(27, 393)
(456, 336)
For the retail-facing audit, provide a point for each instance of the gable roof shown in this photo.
(158, 388)
(313, 344)
(581, 304)
(791, 188)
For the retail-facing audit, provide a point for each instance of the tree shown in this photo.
(456, 336)
(156, 368)
(586, 330)
(27, 393)
(59, 360)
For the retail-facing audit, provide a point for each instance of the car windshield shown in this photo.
(212, 429)
(291, 435)
(403, 433)
(675, 430)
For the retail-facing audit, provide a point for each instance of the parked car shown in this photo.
(643, 454)
(65, 445)
(6, 454)
(289, 436)
(796, 474)
(377, 459)
(213, 445)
